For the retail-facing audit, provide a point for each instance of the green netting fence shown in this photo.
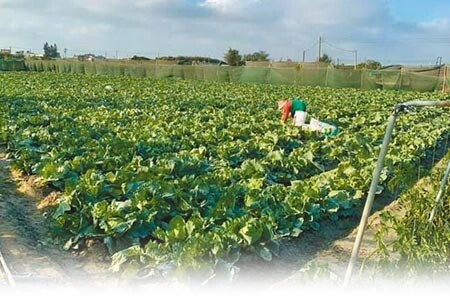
(414, 79)
(446, 84)
(12, 65)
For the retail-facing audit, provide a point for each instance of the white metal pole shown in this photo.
(370, 197)
(441, 192)
(7, 271)
(444, 82)
(320, 48)
(376, 176)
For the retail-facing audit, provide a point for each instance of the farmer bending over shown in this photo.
(295, 107)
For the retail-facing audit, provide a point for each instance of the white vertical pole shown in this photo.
(441, 192)
(320, 48)
(444, 83)
(401, 77)
(7, 271)
(376, 176)
(370, 197)
(363, 71)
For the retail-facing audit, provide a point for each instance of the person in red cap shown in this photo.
(290, 107)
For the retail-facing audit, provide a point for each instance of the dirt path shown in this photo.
(30, 253)
(324, 252)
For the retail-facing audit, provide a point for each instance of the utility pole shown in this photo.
(320, 48)
(117, 55)
(356, 58)
(65, 53)
(303, 58)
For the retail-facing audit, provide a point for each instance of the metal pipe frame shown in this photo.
(398, 109)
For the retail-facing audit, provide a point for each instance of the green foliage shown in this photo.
(51, 51)
(183, 176)
(257, 56)
(190, 60)
(325, 58)
(233, 58)
(415, 244)
(370, 64)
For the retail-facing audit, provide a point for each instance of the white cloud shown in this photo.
(209, 27)
(230, 6)
(440, 24)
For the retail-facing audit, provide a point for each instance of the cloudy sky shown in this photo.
(391, 31)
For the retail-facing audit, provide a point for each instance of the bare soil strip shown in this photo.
(30, 253)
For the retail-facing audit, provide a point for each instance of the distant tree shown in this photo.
(371, 64)
(233, 58)
(51, 51)
(325, 58)
(258, 56)
(190, 60)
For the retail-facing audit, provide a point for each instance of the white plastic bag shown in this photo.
(299, 118)
(315, 125)
(319, 126)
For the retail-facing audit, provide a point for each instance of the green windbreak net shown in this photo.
(390, 80)
(256, 75)
(283, 76)
(12, 65)
(312, 77)
(370, 79)
(343, 78)
(446, 85)
(420, 82)
(394, 78)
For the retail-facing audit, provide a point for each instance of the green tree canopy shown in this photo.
(372, 64)
(51, 51)
(257, 56)
(233, 58)
(325, 58)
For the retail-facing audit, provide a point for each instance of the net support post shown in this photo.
(399, 108)
(6, 270)
(444, 82)
(441, 192)
(370, 197)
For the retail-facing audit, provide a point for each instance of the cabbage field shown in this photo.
(178, 175)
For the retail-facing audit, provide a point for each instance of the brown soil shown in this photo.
(29, 251)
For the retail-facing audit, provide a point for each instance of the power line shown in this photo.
(309, 49)
(338, 48)
(355, 52)
(312, 47)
